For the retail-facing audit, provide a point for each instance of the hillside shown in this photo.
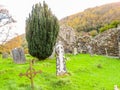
(18, 41)
(90, 20)
(93, 18)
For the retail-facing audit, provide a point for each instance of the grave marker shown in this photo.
(30, 73)
(90, 50)
(119, 46)
(60, 60)
(18, 55)
(75, 51)
(5, 55)
(106, 51)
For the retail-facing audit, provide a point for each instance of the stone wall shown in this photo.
(82, 43)
(68, 37)
(106, 43)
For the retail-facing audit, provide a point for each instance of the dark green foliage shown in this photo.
(41, 31)
(113, 24)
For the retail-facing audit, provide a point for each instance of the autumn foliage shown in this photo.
(93, 18)
(11, 44)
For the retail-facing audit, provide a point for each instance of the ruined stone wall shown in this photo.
(67, 36)
(107, 40)
(104, 43)
(82, 43)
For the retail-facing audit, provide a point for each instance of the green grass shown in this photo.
(85, 73)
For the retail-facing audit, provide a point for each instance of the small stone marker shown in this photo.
(106, 51)
(60, 61)
(116, 87)
(75, 51)
(90, 50)
(5, 55)
(30, 73)
(119, 45)
(53, 54)
(18, 55)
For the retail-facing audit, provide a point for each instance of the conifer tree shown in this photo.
(42, 28)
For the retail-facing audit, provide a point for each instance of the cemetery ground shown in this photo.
(84, 73)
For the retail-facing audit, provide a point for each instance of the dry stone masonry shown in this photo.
(105, 43)
(68, 37)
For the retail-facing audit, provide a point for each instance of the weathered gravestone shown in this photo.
(18, 55)
(106, 51)
(90, 50)
(5, 55)
(60, 61)
(53, 54)
(119, 45)
(30, 73)
(75, 51)
(116, 87)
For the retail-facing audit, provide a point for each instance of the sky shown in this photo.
(20, 9)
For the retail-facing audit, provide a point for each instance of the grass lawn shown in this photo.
(85, 73)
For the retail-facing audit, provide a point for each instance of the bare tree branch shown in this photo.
(6, 22)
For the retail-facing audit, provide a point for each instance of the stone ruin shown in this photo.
(106, 43)
(68, 37)
(82, 43)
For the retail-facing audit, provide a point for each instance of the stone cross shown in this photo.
(60, 60)
(18, 55)
(30, 73)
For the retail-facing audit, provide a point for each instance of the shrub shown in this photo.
(41, 31)
(93, 33)
(113, 24)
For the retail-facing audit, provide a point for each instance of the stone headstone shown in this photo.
(60, 61)
(116, 87)
(119, 45)
(90, 50)
(31, 73)
(18, 55)
(53, 54)
(106, 51)
(75, 51)
(5, 55)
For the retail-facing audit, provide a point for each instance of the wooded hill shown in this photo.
(93, 18)
(90, 20)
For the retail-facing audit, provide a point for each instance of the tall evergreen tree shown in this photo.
(42, 28)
